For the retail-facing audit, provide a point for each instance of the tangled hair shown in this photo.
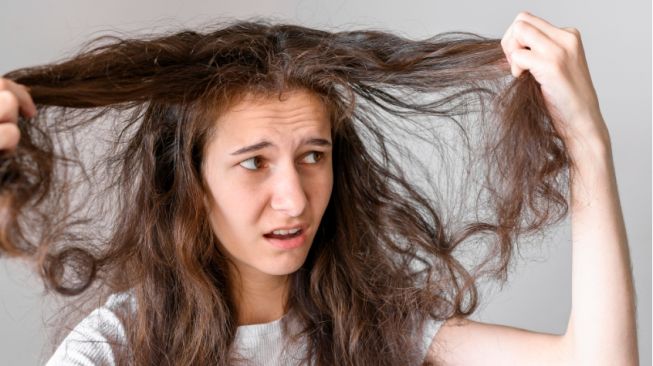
(382, 261)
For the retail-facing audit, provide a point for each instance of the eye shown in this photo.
(318, 155)
(254, 163)
(251, 163)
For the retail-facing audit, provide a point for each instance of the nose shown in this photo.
(288, 192)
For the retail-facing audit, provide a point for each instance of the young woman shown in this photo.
(261, 218)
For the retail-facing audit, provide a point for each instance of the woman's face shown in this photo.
(269, 166)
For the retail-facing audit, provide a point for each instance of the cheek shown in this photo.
(219, 205)
(321, 190)
(235, 205)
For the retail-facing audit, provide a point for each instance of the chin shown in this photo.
(283, 268)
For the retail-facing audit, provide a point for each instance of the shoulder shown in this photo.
(95, 340)
(462, 341)
(427, 332)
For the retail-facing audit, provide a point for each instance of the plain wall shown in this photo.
(617, 41)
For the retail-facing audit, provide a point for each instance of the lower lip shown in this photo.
(291, 243)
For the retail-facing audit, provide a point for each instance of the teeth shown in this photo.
(285, 232)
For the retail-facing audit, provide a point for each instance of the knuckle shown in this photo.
(521, 26)
(8, 100)
(8, 106)
(574, 31)
(9, 136)
(573, 39)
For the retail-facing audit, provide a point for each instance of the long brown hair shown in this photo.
(383, 259)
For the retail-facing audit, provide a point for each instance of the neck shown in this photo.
(260, 297)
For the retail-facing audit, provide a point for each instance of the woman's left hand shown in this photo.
(555, 57)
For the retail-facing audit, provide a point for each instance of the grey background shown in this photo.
(617, 40)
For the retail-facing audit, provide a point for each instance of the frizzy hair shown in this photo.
(360, 294)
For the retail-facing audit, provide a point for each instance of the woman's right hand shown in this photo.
(14, 98)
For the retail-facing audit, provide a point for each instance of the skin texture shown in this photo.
(601, 329)
(602, 325)
(274, 187)
(13, 97)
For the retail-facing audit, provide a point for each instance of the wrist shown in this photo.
(591, 143)
(589, 148)
(591, 160)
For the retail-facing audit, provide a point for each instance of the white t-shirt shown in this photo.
(92, 342)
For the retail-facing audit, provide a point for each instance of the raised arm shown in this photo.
(602, 326)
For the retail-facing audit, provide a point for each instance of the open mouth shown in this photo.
(283, 237)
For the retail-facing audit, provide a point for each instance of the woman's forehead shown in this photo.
(293, 110)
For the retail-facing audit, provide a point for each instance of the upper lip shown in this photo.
(301, 226)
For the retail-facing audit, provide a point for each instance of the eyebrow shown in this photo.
(263, 144)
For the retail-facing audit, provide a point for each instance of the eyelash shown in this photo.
(319, 156)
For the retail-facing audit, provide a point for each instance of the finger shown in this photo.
(547, 28)
(8, 107)
(25, 102)
(524, 60)
(525, 35)
(9, 136)
(27, 105)
(570, 29)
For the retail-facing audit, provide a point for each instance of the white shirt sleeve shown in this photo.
(430, 330)
(95, 340)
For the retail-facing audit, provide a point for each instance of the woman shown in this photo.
(251, 213)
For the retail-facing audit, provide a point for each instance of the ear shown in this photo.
(207, 199)
(207, 196)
